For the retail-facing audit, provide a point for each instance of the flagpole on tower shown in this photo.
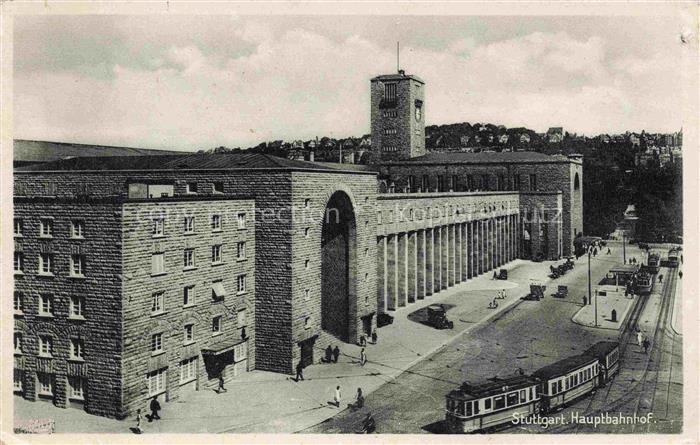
(398, 66)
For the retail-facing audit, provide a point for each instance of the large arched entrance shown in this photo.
(338, 241)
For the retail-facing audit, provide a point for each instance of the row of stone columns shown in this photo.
(419, 263)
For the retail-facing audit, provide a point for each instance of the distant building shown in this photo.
(524, 138)
(555, 135)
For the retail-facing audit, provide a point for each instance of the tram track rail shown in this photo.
(637, 389)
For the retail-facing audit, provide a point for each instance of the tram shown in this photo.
(567, 380)
(644, 283)
(654, 263)
(672, 259)
(608, 355)
(486, 405)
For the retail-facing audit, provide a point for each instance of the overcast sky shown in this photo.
(188, 82)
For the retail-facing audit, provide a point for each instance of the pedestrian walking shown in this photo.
(221, 383)
(336, 397)
(585, 300)
(680, 274)
(138, 430)
(608, 252)
(504, 293)
(374, 336)
(646, 345)
(155, 407)
(363, 357)
(640, 337)
(300, 371)
(336, 354)
(363, 340)
(329, 354)
(494, 275)
(661, 277)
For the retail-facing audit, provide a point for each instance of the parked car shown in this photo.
(437, 317)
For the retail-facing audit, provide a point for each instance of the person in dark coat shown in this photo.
(155, 407)
(646, 343)
(300, 371)
(336, 354)
(221, 383)
(329, 355)
(374, 336)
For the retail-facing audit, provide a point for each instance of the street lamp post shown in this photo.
(624, 256)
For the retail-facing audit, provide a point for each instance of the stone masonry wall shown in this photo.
(139, 284)
(100, 328)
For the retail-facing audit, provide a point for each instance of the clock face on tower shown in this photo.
(418, 113)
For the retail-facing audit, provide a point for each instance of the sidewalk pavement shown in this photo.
(614, 299)
(265, 402)
(677, 320)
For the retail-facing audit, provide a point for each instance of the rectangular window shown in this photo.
(241, 220)
(189, 224)
(485, 182)
(425, 183)
(19, 262)
(412, 184)
(45, 304)
(240, 284)
(157, 300)
(45, 386)
(77, 306)
(156, 381)
(499, 402)
(501, 182)
(76, 349)
(216, 325)
(156, 343)
(533, 182)
(188, 298)
(218, 187)
(77, 228)
(512, 398)
(552, 388)
(390, 92)
(46, 264)
(18, 342)
(19, 303)
(441, 183)
(157, 263)
(487, 403)
(216, 253)
(523, 396)
(19, 226)
(188, 370)
(307, 294)
(77, 265)
(189, 333)
(45, 346)
(470, 183)
(46, 228)
(77, 387)
(188, 258)
(18, 382)
(191, 187)
(217, 290)
(159, 227)
(240, 250)
(242, 318)
(516, 182)
(216, 222)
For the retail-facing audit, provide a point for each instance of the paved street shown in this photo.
(414, 365)
(529, 336)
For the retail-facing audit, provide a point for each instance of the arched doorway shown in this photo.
(338, 241)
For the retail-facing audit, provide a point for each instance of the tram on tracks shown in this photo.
(497, 402)
(608, 355)
(672, 259)
(654, 263)
(567, 380)
(484, 406)
(644, 283)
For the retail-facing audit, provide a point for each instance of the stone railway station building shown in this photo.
(153, 275)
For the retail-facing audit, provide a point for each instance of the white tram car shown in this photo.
(489, 404)
(567, 380)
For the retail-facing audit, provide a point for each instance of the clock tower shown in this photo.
(398, 116)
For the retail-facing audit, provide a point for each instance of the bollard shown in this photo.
(613, 315)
